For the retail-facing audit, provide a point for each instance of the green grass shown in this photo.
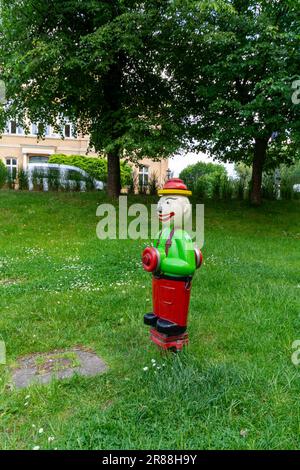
(60, 287)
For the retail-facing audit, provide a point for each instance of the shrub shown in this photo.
(11, 178)
(23, 180)
(202, 189)
(268, 186)
(53, 179)
(37, 180)
(191, 174)
(94, 166)
(239, 189)
(286, 190)
(153, 184)
(226, 188)
(216, 183)
(3, 174)
(133, 183)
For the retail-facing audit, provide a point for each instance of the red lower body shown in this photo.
(171, 299)
(165, 342)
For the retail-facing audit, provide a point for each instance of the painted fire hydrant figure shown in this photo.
(173, 261)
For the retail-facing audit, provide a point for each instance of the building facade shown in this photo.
(18, 151)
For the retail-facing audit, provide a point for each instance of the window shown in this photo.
(34, 129)
(144, 176)
(12, 129)
(67, 130)
(38, 159)
(11, 165)
(39, 129)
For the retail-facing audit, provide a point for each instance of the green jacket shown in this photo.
(176, 252)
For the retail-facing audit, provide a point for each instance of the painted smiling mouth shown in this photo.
(166, 217)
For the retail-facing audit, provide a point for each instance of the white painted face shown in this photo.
(173, 210)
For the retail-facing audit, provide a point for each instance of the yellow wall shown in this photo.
(22, 147)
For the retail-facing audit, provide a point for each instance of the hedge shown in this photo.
(95, 166)
(3, 174)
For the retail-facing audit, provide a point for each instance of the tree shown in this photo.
(192, 173)
(232, 63)
(92, 62)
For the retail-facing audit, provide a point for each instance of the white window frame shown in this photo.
(10, 166)
(143, 172)
(9, 126)
(19, 129)
(35, 127)
(71, 130)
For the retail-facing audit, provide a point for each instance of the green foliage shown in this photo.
(287, 191)
(11, 178)
(289, 177)
(234, 63)
(204, 179)
(23, 180)
(268, 186)
(217, 185)
(37, 179)
(227, 188)
(153, 184)
(95, 63)
(96, 167)
(126, 174)
(3, 174)
(291, 173)
(248, 53)
(192, 173)
(53, 177)
(201, 188)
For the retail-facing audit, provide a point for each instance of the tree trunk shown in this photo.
(260, 152)
(112, 90)
(114, 178)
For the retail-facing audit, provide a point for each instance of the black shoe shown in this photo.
(168, 328)
(150, 319)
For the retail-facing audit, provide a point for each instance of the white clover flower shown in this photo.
(145, 369)
(41, 430)
(36, 448)
(50, 438)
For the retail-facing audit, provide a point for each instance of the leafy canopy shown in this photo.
(233, 63)
(93, 62)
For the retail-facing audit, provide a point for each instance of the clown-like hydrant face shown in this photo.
(173, 210)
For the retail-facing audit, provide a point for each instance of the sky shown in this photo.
(178, 162)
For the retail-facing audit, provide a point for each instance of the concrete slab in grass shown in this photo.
(59, 364)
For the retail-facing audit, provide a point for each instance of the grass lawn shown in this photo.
(234, 388)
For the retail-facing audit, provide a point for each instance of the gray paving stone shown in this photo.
(59, 364)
